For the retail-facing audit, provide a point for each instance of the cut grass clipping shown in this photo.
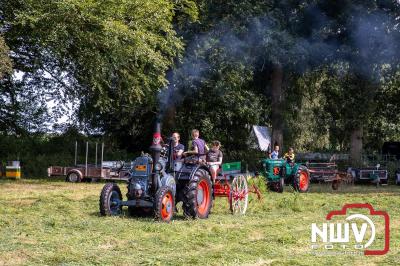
(57, 223)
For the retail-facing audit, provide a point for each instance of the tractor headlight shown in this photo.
(158, 167)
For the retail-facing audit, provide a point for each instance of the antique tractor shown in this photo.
(158, 182)
(279, 172)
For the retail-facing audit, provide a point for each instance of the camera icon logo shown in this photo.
(357, 232)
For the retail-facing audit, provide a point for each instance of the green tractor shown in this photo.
(279, 172)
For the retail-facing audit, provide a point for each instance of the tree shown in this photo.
(110, 55)
(5, 62)
(365, 35)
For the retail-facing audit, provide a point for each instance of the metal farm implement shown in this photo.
(373, 175)
(231, 183)
(327, 173)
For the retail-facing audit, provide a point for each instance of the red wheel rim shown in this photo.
(166, 206)
(203, 197)
(303, 184)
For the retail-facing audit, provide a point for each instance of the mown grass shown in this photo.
(46, 222)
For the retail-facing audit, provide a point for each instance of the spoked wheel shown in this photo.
(197, 198)
(164, 204)
(110, 198)
(302, 180)
(238, 196)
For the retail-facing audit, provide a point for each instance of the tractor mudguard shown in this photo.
(185, 175)
(187, 172)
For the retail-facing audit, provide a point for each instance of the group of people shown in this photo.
(289, 156)
(211, 156)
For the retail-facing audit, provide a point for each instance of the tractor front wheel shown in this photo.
(197, 198)
(276, 186)
(164, 204)
(301, 181)
(110, 198)
(280, 185)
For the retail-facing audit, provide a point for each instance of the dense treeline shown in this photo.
(323, 74)
(38, 151)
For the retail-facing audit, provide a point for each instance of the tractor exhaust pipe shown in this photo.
(155, 149)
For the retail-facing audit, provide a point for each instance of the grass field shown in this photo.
(57, 223)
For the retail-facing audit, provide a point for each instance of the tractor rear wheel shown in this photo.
(301, 181)
(109, 200)
(197, 195)
(164, 204)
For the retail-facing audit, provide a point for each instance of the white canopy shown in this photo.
(263, 136)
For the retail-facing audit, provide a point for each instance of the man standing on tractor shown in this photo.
(178, 148)
(214, 159)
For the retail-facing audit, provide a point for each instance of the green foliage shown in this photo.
(111, 55)
(22, 111)
(5, 62)
(259, 182)
(214, 60)
(39, 151)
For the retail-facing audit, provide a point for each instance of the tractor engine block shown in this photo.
(137, 187)
(138, 184)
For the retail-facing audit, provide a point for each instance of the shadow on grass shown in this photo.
(144, 217)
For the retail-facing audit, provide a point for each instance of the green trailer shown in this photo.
(279, 172)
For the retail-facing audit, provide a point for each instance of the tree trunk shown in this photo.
(276, 105)
(356, 145)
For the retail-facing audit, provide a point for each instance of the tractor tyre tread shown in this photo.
(105, 208)
(189, 205)
(158, 203)
(296, 181)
